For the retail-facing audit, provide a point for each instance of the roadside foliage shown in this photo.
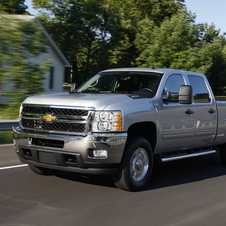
(100, 34)
(19, 41)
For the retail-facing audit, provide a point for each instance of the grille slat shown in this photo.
(55, 111)
(37, 123)
(54, 126)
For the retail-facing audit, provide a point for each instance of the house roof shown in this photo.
(52, 43)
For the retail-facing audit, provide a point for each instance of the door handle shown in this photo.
(189, 112)
(211, 111)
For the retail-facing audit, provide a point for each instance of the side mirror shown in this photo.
(74, 86)
(185, 94)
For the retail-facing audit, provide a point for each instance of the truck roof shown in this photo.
(158, 70)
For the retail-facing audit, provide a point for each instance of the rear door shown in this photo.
(205, 112)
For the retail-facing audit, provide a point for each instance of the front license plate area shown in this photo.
(46, 157)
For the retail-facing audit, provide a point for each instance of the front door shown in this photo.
(177, 122)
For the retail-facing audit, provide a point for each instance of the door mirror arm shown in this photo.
(74, 86)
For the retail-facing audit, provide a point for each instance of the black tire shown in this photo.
(41, 171)
(223, 153)
(136, 167)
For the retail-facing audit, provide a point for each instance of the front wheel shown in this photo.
(41, 171)
(136, 167)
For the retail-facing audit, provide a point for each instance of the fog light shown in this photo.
(14, 143)
(103, 154)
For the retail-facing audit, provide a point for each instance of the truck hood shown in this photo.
(83, 100)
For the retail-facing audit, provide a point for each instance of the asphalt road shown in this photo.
(185, 192)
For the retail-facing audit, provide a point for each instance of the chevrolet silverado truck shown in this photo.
(120, 122)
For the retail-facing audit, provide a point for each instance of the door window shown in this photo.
(200, 91)
(173, 84)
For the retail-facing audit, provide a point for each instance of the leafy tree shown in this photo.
(98, 34)
(79, 29)
(216, 73)
(20, 40)
(161, 45)
(131, 14)
(13, 6)
(179, 43)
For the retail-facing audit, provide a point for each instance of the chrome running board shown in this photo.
(184, 156)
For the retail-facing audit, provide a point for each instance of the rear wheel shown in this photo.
(136, 167)
(41, 171)
(223, 153)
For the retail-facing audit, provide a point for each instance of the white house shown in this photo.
(54, 79)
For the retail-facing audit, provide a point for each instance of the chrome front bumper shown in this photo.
(53, 150)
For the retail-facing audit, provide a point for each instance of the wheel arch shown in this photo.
(146, 130)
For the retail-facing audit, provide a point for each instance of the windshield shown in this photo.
(144, 84)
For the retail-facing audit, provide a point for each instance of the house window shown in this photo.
(51, 79)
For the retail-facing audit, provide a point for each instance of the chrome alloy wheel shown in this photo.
(139, 164)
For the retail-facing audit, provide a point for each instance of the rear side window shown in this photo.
(200, 91)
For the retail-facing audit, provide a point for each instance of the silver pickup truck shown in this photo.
(120, 122)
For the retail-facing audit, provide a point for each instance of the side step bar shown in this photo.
(184, 156)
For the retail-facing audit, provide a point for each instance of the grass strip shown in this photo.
(6, 137)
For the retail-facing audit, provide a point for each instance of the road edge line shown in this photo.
(11, 167)
(6, 145)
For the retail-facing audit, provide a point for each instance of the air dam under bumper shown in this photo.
(70, 153)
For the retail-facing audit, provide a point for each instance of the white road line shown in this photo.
(11, 167)
(6, 145)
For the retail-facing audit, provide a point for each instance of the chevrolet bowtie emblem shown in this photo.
(49, 118)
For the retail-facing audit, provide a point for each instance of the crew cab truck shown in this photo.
(120, 122)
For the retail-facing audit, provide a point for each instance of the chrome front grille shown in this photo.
(55, 119)
(56, 111)
(54, 126)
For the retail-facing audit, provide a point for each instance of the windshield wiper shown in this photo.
(89, 91)
(102, 91)
(123, 92)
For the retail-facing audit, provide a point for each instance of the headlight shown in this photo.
(20, 111)
(107, 121)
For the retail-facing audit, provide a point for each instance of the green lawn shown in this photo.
(9, 111)
(6, 137)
